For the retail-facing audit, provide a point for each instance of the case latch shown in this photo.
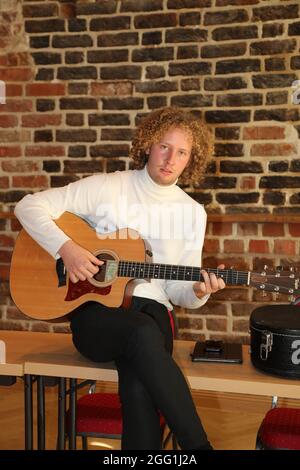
(266, 344)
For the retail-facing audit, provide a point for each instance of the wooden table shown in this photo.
(16, 342)
(53, 355)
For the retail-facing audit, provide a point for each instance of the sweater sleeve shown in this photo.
(181, 292)
(37, 212)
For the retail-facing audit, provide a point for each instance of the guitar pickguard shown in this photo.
(81, 288)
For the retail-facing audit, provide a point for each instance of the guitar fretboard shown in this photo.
(179, 273)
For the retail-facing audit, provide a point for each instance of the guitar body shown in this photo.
(34, 281)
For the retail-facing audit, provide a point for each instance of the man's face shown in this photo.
(169, 157)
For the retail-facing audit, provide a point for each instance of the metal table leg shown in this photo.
(28, 412)
(61, 413)
(73, 400)
(41, 412)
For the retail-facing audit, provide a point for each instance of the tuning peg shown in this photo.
(279, 268)
(263, 273)
(292, 275)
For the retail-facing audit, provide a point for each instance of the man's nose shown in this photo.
(171, 156)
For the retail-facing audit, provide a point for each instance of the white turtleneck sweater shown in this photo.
(170, 220)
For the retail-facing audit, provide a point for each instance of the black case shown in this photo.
(275, 339)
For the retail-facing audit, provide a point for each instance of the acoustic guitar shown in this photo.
(41, 288)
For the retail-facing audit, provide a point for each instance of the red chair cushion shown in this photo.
(100, 413)
(280, 429)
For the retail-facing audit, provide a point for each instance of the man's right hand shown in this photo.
(79, 262)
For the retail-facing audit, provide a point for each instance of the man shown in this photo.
(169, 144)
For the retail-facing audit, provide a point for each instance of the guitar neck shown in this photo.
(178, 273)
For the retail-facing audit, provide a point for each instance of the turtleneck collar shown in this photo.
(152, 187)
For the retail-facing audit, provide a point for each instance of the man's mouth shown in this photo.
(165, 171)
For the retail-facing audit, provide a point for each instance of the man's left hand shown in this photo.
(211, 283)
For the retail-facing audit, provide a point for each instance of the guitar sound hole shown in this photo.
(100, 276)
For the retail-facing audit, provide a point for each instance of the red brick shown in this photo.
(44, 151)
(67, 11)
(4, 182)
(3, 58)
(5, 256)
(186, 336)
(240, 325)
(259, 246)
(190, 323)
(222, 228)
(14, 89)
(273, 230)
(13, 325)
(233, 246)
(4, 272)
(248, 182)
(15, 225)
(285, 247)
(13, 151)
(18, 106)
(45, 89)
(8, 120)
(265, 132)
(20, 166)
(14, 135)
(210, 308)
(242, 309)
(211, 245)
(41, 327)
(19, 58)
(41, 120)
(40, 181)
(273, 150)
(16, 74)
(247, 228)
(62, 328)
(13, 313)
(216, 324)
(111, 88)
(6, 240)
(294, 230)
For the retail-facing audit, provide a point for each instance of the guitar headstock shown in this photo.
(284, 281)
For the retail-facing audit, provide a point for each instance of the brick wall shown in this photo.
(80, 74)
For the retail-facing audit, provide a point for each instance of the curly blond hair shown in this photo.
(160, 121)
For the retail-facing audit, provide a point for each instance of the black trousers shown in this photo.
(139, 340)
